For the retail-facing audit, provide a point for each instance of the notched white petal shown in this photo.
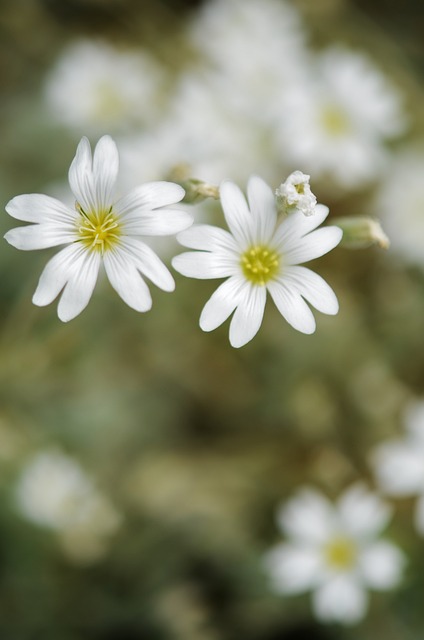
(314, 245)
(127, 281)
(146, 261)
(39, 236)
(293, 568)
(149, 196)
(292, 307)
(248, 316)
(342, 600)
(81, 176)
(74, 271)
(158, 222)
(205, 237)
(204, 265)
(263, 209)
(221, 304)
(79, 288)
(236, 212)
(313, 288)
(105, 171)
(37, 207)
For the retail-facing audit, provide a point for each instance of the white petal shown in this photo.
(312, 246)
(381, 565)
(205, 237)
(308, 517)
(146, 261)
(313, 288)
(399, 468)
(56, 273)
(296, 225)
(222, 303)
(81, 177)
(204, 265)
(39, 236)
(75, 269)
(149, 196)
(79, 288)
(159, 222)
(262, 206)
(363, 513)
(127, 281)
(105, 171)
(36, 207)
(292, 306)
(237, 214)
(340, 600)
(419, 516)
(414, 421)
(293, 569)
(248, 315)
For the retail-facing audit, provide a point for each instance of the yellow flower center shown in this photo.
(260, 264)
(335, 121)
(340, 553)
(109, 104)
(98, 230)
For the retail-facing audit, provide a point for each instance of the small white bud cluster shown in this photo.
(295, 193)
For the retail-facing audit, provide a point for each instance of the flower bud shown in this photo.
(360, 232)
(195, 190)
(295, 194)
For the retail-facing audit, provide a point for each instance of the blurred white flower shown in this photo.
(54, 492)
(98, 231)
(256, 48)
(335, 552)
(259, 254)
(399, 463)
(336, 122)
(399, 204)
(96, 87)
(296, 192)
(203, 129)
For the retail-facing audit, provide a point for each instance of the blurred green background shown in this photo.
(193, 444)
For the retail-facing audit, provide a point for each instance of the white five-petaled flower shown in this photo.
(334, 551)
(98, 230)
(296, 192)
(260, 254)
(399, 463)
(54, 491)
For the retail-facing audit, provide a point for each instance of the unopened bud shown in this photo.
(295, 194)
(195, 190)
(360, 232)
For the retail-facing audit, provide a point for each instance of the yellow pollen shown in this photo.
(260, 264)
(335, 121)
(340, 553)
(98, 230)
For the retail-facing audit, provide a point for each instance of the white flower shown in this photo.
(334, 551)
(399, 463)
(335, 123)
(259, 255)
(54, 492)
(99, 230)
(95, 86)
(296, 192)
(399, 204)
(256, 47)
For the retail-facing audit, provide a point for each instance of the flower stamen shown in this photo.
(259, 264)
(340, 553)
(99, 230)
